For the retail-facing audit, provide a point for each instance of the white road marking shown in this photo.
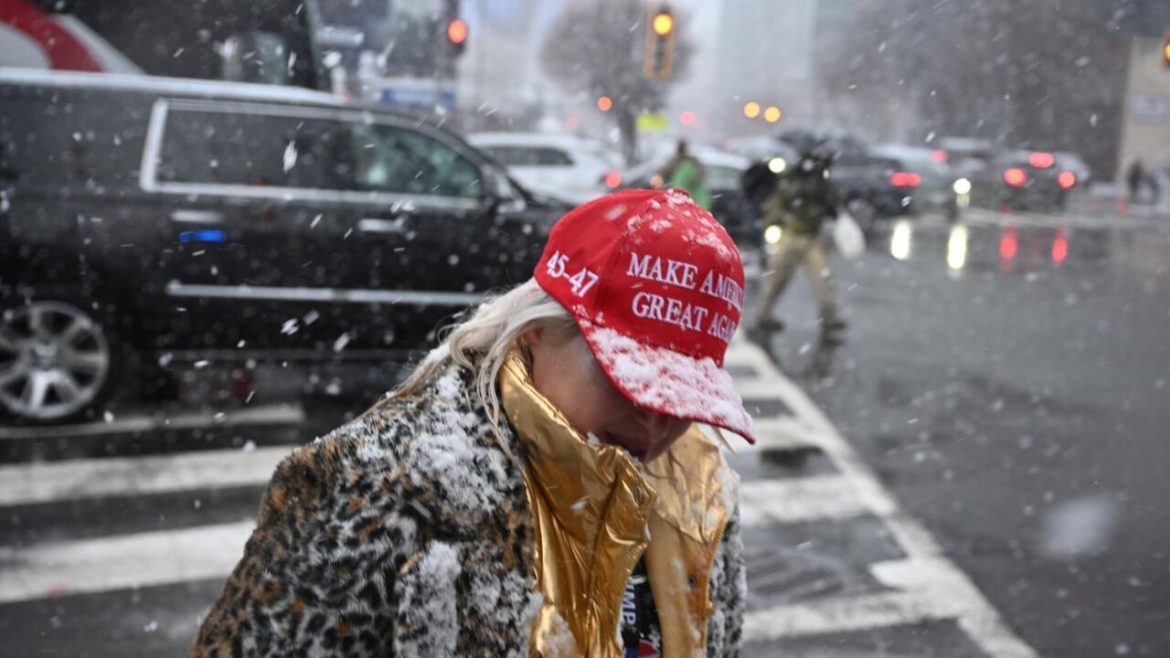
(781, 433)
(836, 615)
(929, 585)
(798, 499)
(25, 484)
(125, 561)
(260, 415)
(161, 557)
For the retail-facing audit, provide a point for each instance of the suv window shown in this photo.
(223, 148)
(391, 159)
(530, 156)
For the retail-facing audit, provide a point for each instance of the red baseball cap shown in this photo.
(656, 286)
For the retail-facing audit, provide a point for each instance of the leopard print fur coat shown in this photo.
(406, 532)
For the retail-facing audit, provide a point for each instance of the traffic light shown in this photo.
(658, 55)
(456, 34)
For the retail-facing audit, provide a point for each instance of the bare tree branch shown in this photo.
(595, 47)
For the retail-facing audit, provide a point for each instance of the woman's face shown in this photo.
(565, 371)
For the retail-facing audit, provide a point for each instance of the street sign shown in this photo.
(652, 123)
(412, 93)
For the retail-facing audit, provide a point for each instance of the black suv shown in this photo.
(147, 221)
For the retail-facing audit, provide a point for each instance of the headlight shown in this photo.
(962, 186)
(777, 165)
(772, 234)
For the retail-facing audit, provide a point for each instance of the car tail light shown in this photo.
(1066, 180)
(939, 156)
(1015, 177)
(613, 179)
(1041, 160)
(905, 179)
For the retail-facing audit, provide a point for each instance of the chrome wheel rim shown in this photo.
(54, 360)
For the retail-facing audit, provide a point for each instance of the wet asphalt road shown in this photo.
(1019, 407)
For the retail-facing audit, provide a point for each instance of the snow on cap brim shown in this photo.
(668, 382)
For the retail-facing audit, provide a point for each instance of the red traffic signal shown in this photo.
(456, 37)
(457, 31)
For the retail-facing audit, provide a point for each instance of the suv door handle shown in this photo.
(379, 225)
(190, 216)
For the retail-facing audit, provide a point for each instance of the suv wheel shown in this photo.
(56, 361)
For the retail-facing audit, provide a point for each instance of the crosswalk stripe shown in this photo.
(26, 484)
(163, 557)
(784, 433)
(799, 499)
(260, 415)
(125, 561)
(836, 615)
(924, 589)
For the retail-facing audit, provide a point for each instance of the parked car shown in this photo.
(723, 173)
(965, 155)
(917, 182)
(561, 166)
(148, 221)
(1022, 180)
(1082, 175)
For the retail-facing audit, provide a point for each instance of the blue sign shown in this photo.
(417, 97)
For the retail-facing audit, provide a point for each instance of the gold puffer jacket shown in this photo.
(598, 511)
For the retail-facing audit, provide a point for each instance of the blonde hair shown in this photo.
(481, 342)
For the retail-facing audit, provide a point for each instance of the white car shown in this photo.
(560, 166)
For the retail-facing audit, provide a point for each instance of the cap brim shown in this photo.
(668, 382)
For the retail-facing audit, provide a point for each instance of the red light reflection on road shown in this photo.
(1009, 244)
(1060, 246)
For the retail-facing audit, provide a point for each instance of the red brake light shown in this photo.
(613, 179)
(1015, 177)
(1041, 160)
(939, 156)
(905, 179)
(1066, 180)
